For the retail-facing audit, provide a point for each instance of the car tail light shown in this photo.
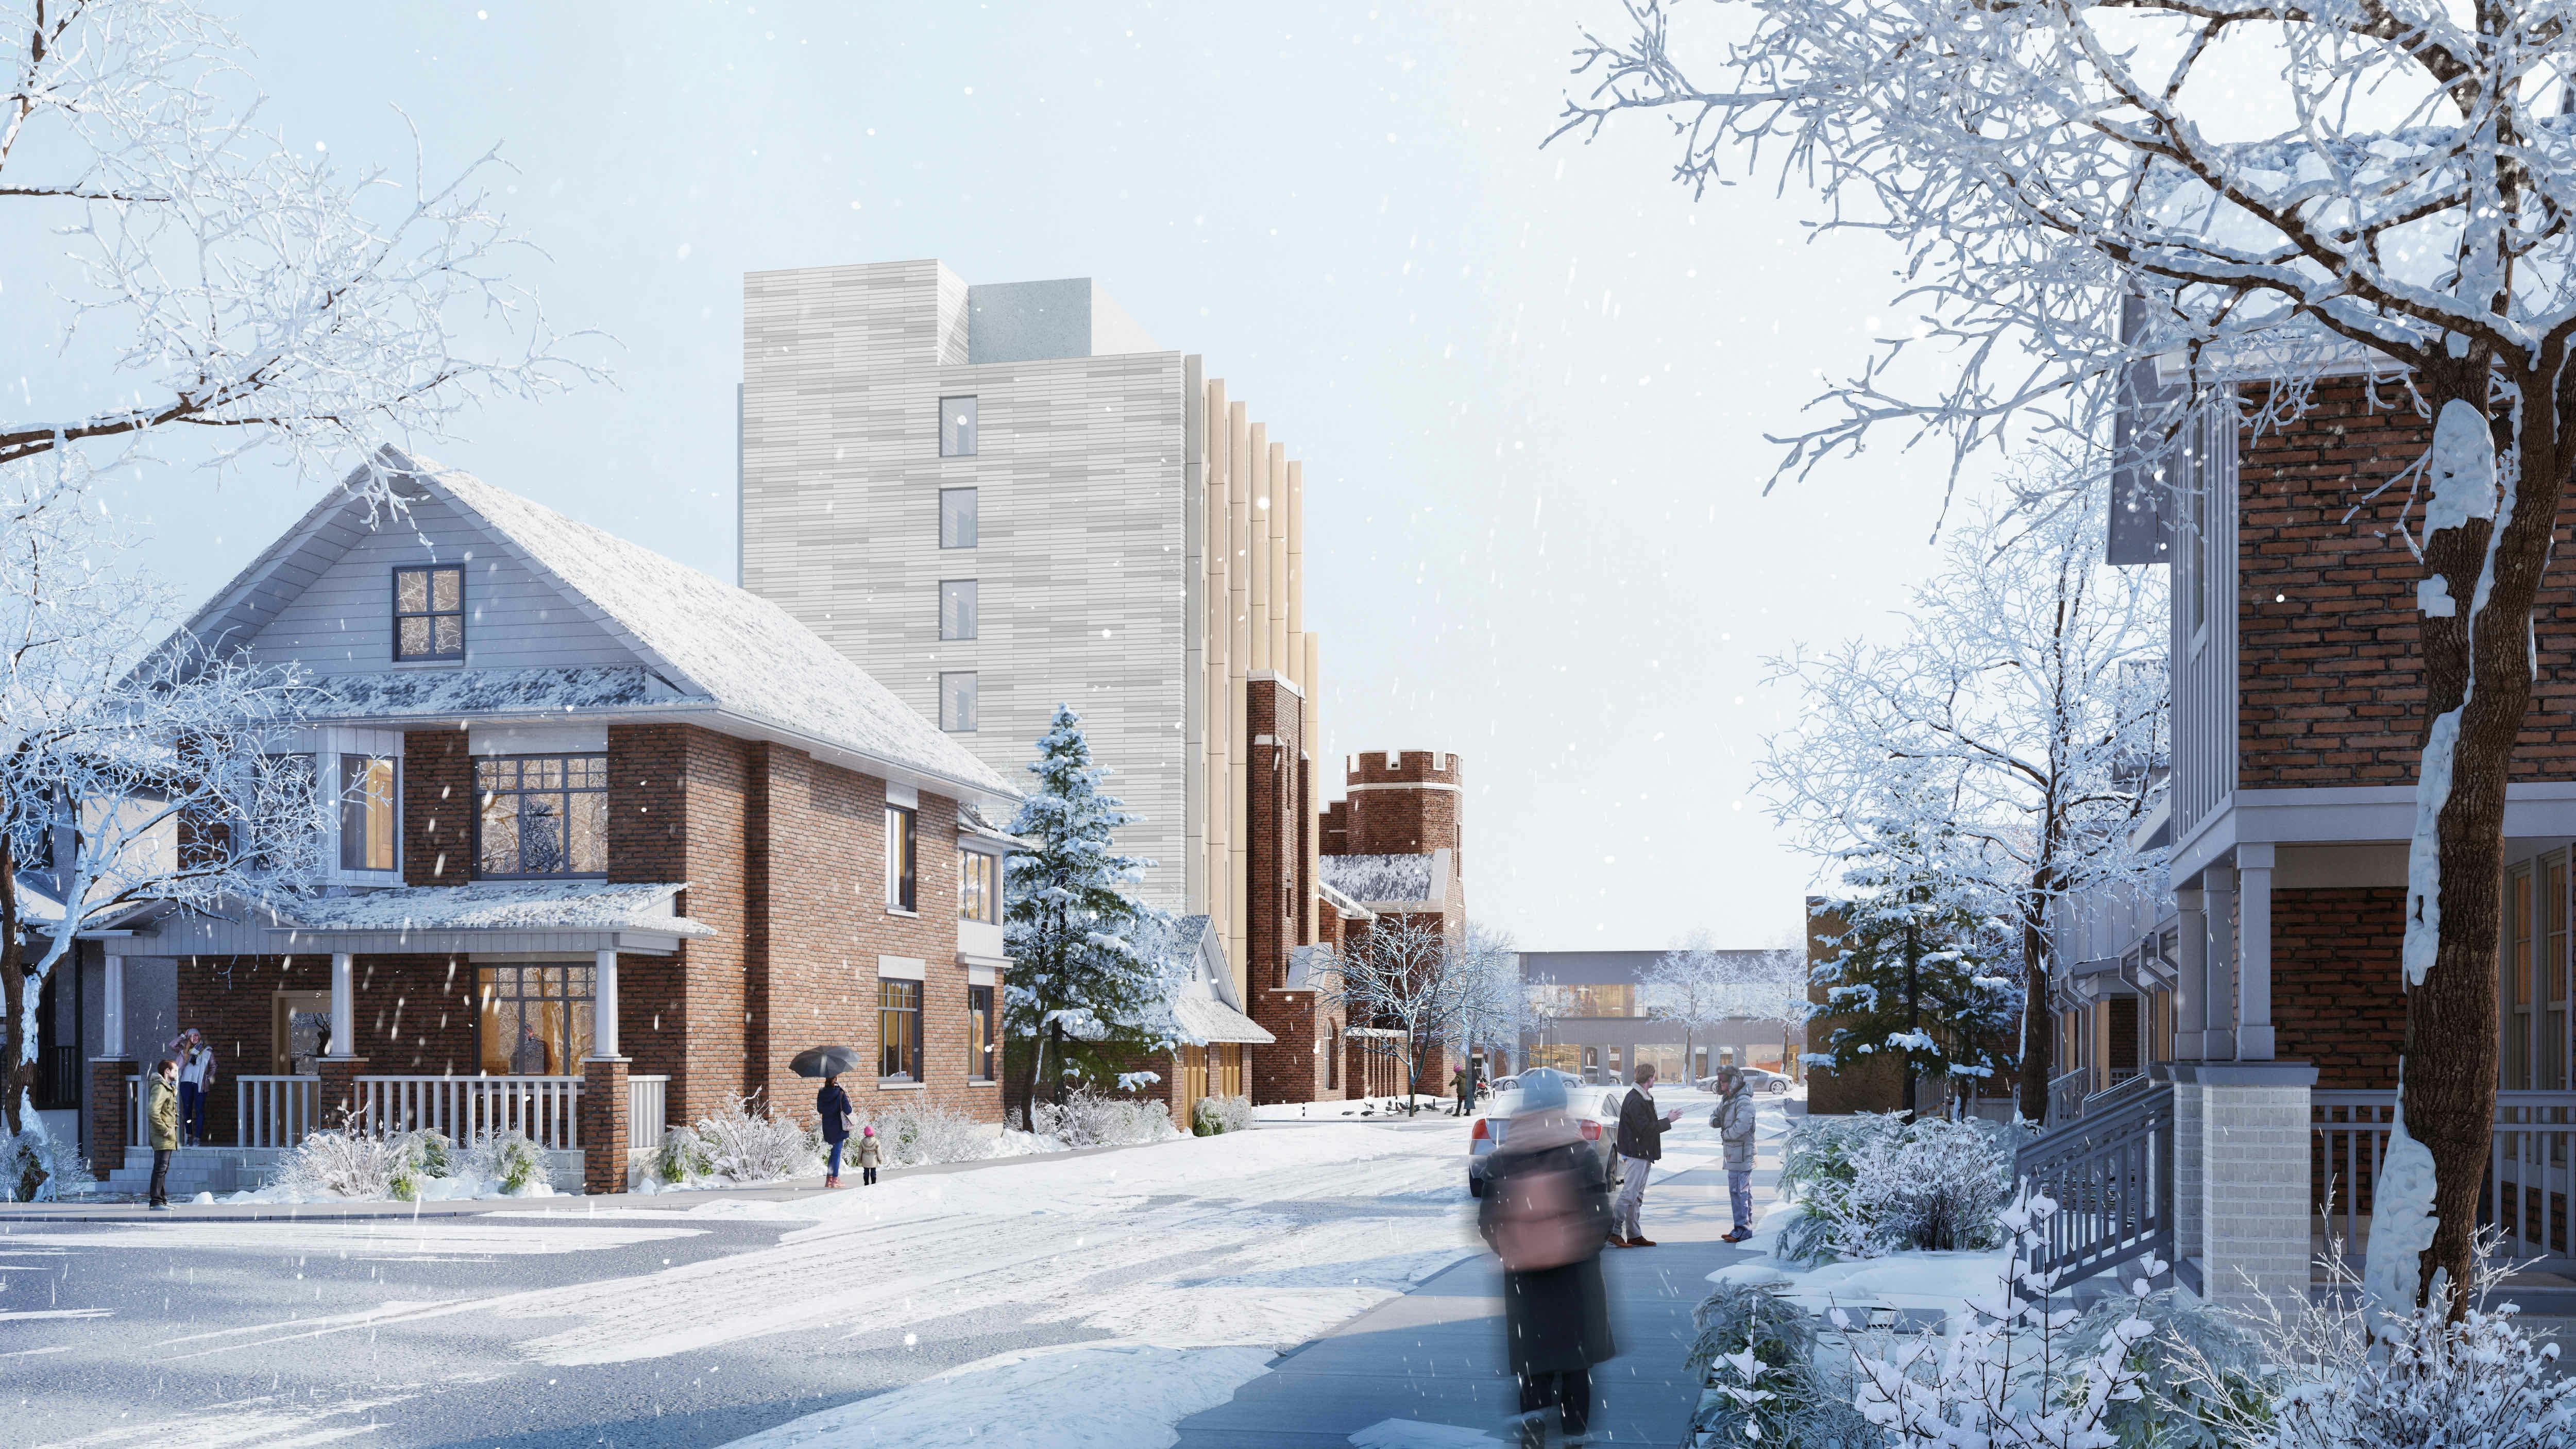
(1479, 1130)
(1591, 1131)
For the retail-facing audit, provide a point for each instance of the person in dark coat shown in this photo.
(832, 1106)
(1545, 1212)
(1640, 1144)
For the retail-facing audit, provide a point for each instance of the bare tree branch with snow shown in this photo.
(2022, 708)
(2251, 195)
(121, 786)
(231, 286)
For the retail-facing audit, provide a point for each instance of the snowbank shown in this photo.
(434, 1189)
(1916, 1279)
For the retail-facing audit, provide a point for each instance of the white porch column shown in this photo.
(603, 1005)
(2218, 1015)
(112, 1009)
(344, 1005)
(2254, 953)
(2191, 976)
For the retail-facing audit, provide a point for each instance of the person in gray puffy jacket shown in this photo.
(1734, 1120)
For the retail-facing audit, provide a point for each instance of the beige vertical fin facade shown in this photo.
(1314, 681)
(1264, 456)
(1278, 580)
(1238, 669)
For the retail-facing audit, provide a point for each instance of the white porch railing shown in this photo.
(646, 1107)
(545, 1108)
(275, 1111)
(2531, 1165)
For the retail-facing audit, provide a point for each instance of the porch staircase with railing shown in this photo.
(2109, 1167)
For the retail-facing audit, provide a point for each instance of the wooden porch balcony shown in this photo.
(2531, 1169)
(275, 1112)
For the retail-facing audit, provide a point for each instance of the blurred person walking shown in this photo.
(1734, 1120)
(832, 1108)
(1640, 1143)
(1544, 1213)
(161, 1116)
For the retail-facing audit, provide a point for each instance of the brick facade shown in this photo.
(782, 854)
(1384, 818)
(2329, 664)
(2336, 997)
(416, 1016)
(1279, 898)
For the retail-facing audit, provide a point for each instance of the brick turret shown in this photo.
(1404, 802)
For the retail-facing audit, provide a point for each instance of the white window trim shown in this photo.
(902, 968)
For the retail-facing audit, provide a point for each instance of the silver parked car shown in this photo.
(1763, 1079)
(1594, 1108)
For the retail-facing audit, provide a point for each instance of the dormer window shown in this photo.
(429, 613)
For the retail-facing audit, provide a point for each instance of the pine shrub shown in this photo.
(508, 1158)
(1873, 1184)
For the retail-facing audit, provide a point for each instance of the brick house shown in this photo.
(616, 841)
(2251, 1000)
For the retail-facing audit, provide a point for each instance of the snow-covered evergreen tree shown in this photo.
(1916, 970)
(2022, 709)
(1078, 987)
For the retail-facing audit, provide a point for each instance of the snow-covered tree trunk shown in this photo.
(2273, 194)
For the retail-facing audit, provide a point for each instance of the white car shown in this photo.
(1594, 1108)
(1763, 1080)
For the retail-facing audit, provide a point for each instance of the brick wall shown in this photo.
(2329, 669)
(415, 1015)
(2337, 997)
(1334, 837)
(438, 808)
(1400, 821)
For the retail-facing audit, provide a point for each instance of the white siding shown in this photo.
(341, 620)
(1082, 546)
(2204, 659)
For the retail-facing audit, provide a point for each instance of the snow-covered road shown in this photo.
(1154, 1278)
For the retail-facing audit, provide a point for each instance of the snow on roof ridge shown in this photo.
(743, 651)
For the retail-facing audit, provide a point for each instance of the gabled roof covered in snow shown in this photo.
(658, 639)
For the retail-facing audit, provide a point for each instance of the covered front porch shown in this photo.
(469, 1011)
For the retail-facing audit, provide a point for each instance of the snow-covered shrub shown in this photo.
(1092, 1119)
(743, 1145)
(507, 1158)
(681, 1156)
(2343, 1377)
(914, 1135)
(433, 1153)
(37, 1167)
(1215, 1115)
(2197, 1370)
(348, 1161)
(1873, 1183)
(1757, 1353)
(2012, 1378)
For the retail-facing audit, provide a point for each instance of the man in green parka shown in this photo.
(161, 1119)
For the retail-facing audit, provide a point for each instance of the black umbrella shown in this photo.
(826, 1061)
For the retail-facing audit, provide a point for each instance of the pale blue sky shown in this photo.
(1530, 386)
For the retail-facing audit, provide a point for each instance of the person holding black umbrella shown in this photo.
(833, 1106)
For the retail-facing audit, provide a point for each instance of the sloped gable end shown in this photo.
(341, 619)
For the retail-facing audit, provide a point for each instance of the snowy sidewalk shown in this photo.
(1420, 1369)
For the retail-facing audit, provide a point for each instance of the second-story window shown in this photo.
(979, 887)
(958, 617)
(368, 813)
(957, 427)
(902, 874)
(958, 521)
(542, 815)
(429, 612)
